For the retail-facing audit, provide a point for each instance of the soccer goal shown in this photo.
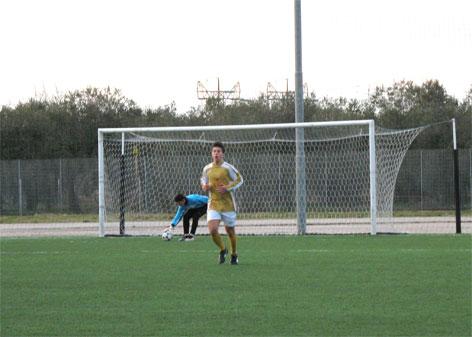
(348, 175)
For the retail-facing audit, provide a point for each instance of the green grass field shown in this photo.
(400, 285)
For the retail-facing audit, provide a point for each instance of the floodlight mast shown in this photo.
(457, 195)
(273, 94)
(299, 118)
(221, 95)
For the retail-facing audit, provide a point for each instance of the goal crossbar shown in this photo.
(236, 127)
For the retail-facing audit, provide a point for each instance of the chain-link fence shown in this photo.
(425, 182)
(48, 186)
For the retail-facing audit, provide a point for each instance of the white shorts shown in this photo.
(228, 218)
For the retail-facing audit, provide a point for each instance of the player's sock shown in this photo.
(232, 240)
(218, 240)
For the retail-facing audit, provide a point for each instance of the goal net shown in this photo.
(347, 177)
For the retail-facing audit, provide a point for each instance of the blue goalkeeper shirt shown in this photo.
(193, 201)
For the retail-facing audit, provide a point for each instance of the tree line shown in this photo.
(65, 126)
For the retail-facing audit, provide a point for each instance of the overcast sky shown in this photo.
(156, 51)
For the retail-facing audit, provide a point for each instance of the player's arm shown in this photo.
(236, 179)
(178, 216)
(204, 181)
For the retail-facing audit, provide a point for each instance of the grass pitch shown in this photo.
(284, 286)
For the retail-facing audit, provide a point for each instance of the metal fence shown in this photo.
(48, 186)
(425, 182)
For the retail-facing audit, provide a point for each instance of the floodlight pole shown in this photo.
(456, 178)
(299, 118)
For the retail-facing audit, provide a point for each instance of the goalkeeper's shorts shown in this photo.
(228, 218)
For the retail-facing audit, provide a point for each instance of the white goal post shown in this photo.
(350, 173)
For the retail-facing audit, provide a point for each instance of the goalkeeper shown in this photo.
(192, 206)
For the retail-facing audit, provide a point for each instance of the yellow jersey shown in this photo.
(224, 174)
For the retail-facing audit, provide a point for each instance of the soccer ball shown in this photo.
(167, 236)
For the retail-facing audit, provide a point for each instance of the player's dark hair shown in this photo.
(220, 145)
(179, 197)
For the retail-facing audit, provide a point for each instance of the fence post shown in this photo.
(279, 177)
(59, 186)
(421, 178)
(20, 195)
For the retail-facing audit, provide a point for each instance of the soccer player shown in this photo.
(192, 206)
(220, 179)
